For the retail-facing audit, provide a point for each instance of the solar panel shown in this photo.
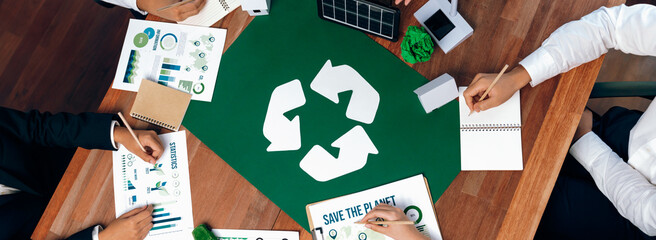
(362, 15)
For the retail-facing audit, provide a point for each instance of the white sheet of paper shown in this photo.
(179, 56)
(284, 135)
(330, 81)
(165, 185)
(213, 11)
(352, 231)
(238, 234)
(508, 113)
(355, 145)
(499, 147)
(491, 151)
(336, 216)
(354, 149)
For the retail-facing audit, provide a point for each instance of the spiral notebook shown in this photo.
(492, 139)
(160, 105)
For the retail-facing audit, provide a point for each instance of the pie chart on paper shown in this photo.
(168, 42)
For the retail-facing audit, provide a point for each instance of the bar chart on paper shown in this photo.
(131, 186)
(162, 218)
(178, 56)
(164, 185)
(169, 68)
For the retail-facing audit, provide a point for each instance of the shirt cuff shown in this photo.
(588, 149)
(111, 134)
(95, 232)
(540, 65)
(132, 4)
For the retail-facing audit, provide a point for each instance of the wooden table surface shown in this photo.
(477, 205)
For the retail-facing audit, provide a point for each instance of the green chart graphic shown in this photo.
(293, 43)
(133, 65)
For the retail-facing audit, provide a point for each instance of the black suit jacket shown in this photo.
(136, 14)
(31, 148)
(104, 4)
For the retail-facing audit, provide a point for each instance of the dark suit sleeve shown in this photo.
(82, 235)
(65, 130)
(104, 4)
(136, 14)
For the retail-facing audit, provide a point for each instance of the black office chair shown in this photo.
(624, 89)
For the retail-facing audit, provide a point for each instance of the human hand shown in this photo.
(507, 85)
(585, 125)
(397, 2)
(395, 231)
(147, 138)
(134, 224)
(177, 13)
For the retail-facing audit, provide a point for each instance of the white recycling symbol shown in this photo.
(354, 146)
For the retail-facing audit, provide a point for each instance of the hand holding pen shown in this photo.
(507, 84)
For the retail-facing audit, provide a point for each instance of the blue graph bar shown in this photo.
(162, 227)
(167, 220)
(161, 215)
(166, 78)
(171, 67)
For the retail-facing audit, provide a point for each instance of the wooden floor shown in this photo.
(58, 55)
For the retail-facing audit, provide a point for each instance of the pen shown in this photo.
(174, 5)
(387, 222)
(131, 132)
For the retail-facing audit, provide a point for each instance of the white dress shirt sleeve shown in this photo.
(629, 191)
(131, 4)
(95, 232)
(642, 144)
(111, 134)
(4, 190)
(628, 29)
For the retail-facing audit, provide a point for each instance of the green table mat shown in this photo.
(294, 43)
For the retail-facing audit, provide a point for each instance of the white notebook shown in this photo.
(492, 139)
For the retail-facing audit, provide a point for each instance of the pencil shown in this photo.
(130, 130)
(174, 5)
(491, 86)
(387, 222)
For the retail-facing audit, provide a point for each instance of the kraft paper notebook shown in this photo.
(160, 105)
(334, 219)
(491, 139)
